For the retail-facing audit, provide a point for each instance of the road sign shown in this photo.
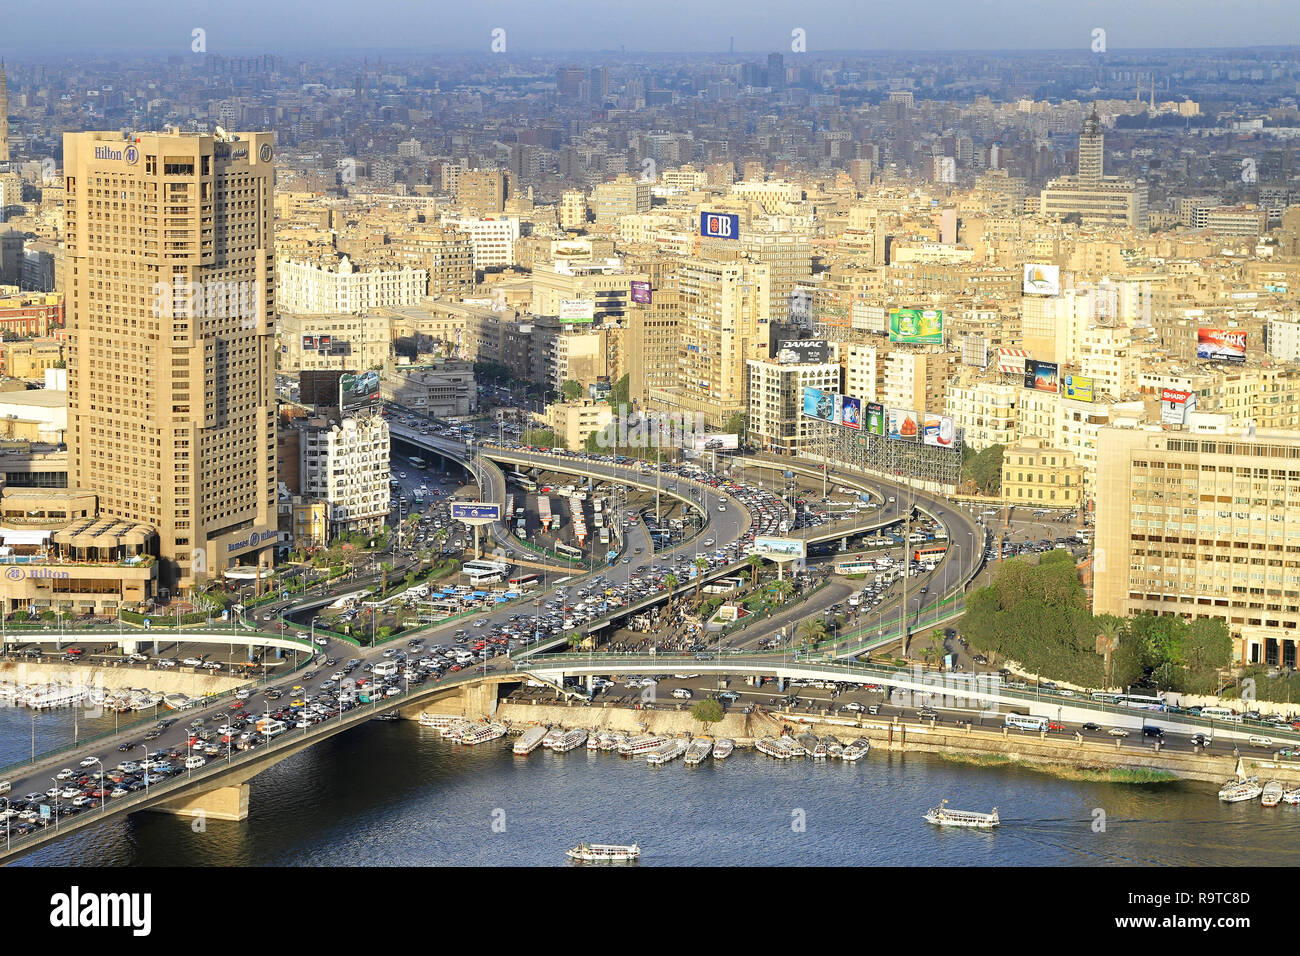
(147, 622)
(45, 811)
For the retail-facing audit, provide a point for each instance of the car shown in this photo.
(1201, 740)
(854, 706)
(1157, 732)
(1055, 725)
(1091, 725)
(681, 693)
(128, 746)
(1117, 732)
(88, 762)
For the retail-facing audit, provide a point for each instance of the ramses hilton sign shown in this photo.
(29, 574)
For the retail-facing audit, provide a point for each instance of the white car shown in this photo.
(681, 693)
(192, 662)
(194, 762)
(65, 774)
(1117, 732)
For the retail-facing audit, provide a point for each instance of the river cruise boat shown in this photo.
(482, 733)
(795, 748)
(176, 701)
(666, 753)
(1272, 794)
(604, 853)
(456, 729)
(772, 747)
(833, 747)
(593, 741)
(612, 741)
(1291, 796)
(642, 744)
(144, 701)
(722, 748)
(438, 721)
(554, 736)
(1236, 791)
(569, 740)
(530, 740)
(55, 695)
(699, 750)
(943, 817)
(856, 750)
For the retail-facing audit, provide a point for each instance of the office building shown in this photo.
(346, 465)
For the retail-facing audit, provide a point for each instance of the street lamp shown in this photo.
(58, 791)
(101, 783)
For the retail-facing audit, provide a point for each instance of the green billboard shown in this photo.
(916, 326)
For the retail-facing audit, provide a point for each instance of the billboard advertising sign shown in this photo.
(875, 418)
(1042, 376)
(916, 326)
(577, 310)
(904, 424)
(1221, 345)
(719, 225)
(717, 442)
(780, 547)
(324, 341)
(1012, 361)
(309, 341)
(803, 352)
(940, 431)
(1041, 279)
(1078, 388)
(640, 292)
(822, 405)
(851, 412)
(475, 511)
(356, 391)
(1176, 405)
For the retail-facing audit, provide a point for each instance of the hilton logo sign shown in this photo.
(128, 154)
(19, 574)
(253, 540)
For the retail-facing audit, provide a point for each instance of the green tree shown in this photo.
(701, 565)
(620, 394)
(812, 631)
(670, 585)
(755, 562)
(983, 470)
(783, 589)
(574, 641)
(571, 390)
(736, 424)
(707, 712)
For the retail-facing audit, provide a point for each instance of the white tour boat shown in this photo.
(530, 740)
(1272, 794)
(553, 737)
(1235, 791)
(665, 753)
(942, 816)
(482, 733)
(772, 747)
(856, 750)
(604, 853)
(1291, 796)
(570, 740)
(642, 744)
(438, 721)
(722, 748)
(699, 750)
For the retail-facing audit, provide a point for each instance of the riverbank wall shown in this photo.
(162, 680)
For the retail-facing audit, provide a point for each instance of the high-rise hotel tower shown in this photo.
(170, 297)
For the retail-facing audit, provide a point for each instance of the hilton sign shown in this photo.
(129, 154)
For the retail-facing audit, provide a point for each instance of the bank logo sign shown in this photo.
(719, 225)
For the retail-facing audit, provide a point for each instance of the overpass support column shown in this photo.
(844, 543)
(590, 686)
(224, 803)
(479, 699)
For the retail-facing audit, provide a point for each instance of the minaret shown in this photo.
(1091, 143)
(4, 115)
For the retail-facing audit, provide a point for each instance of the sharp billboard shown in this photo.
(1176, 405)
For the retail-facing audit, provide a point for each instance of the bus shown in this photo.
(524, 582)
(544, 511)
(604, 536)
(930, 554)
(568, 551)
(1221, 713)
(510, 507)
(1026, 723)
(417, 497)
(856, 567)
(522, 480)
(1141, 702)
(417, 462)
(1104, 698)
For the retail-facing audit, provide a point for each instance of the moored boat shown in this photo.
(482, 733)
(552, 737)
(456, 729)
(438, 721)
(1272, 794)
(593, 741)
(1291, 796)
(856, 750)
(569, 740)
(699, 750)
(1235, 791)
(943, 817)
(722, 748)
(793, 746)
(530, 740)
(833, 747)
(772, 747)
(604, 853)
(642, 744)
(666, 752)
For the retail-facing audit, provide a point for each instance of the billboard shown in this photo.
(822, 405)
(869, 318)
(803, 351)
(309, 341)
(780, 547)
(475, 511)
(940, 431)
(719, 225)
(851, 412)
(1012, 361)
(904, 424)
(1041, 279)
(717, 442)
(1221, 345)
(1079, 388)
(640, 292)
(875, 418)
(1042, 376)
(358, 390)
(916, 326)
(577, 310)
(1176, 405)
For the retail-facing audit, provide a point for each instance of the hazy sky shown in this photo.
(243, 26)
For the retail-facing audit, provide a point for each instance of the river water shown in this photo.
(394, 793)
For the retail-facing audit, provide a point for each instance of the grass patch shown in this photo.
(1126, 775)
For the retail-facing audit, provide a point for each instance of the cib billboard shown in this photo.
(719, 225)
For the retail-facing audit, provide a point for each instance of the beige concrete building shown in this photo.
(622, 196)
(482, 192)
(1041, 477)
(1203, 526)
(915, 379)
(447, 390)
(776, 419)
(171, 406)
(573, 422)
(344, 342)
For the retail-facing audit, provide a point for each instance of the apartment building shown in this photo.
(1041, 477)
(346, 465)
(344, 342)
(776, 420)
(623, 196)
(309, 288)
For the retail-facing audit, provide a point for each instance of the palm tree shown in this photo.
(755, 562)
(670, 585)
(783, 590)
(701, 565)
(812, 631)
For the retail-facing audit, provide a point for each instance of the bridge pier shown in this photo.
(844, 543)
(223, 803)
(480, 699)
